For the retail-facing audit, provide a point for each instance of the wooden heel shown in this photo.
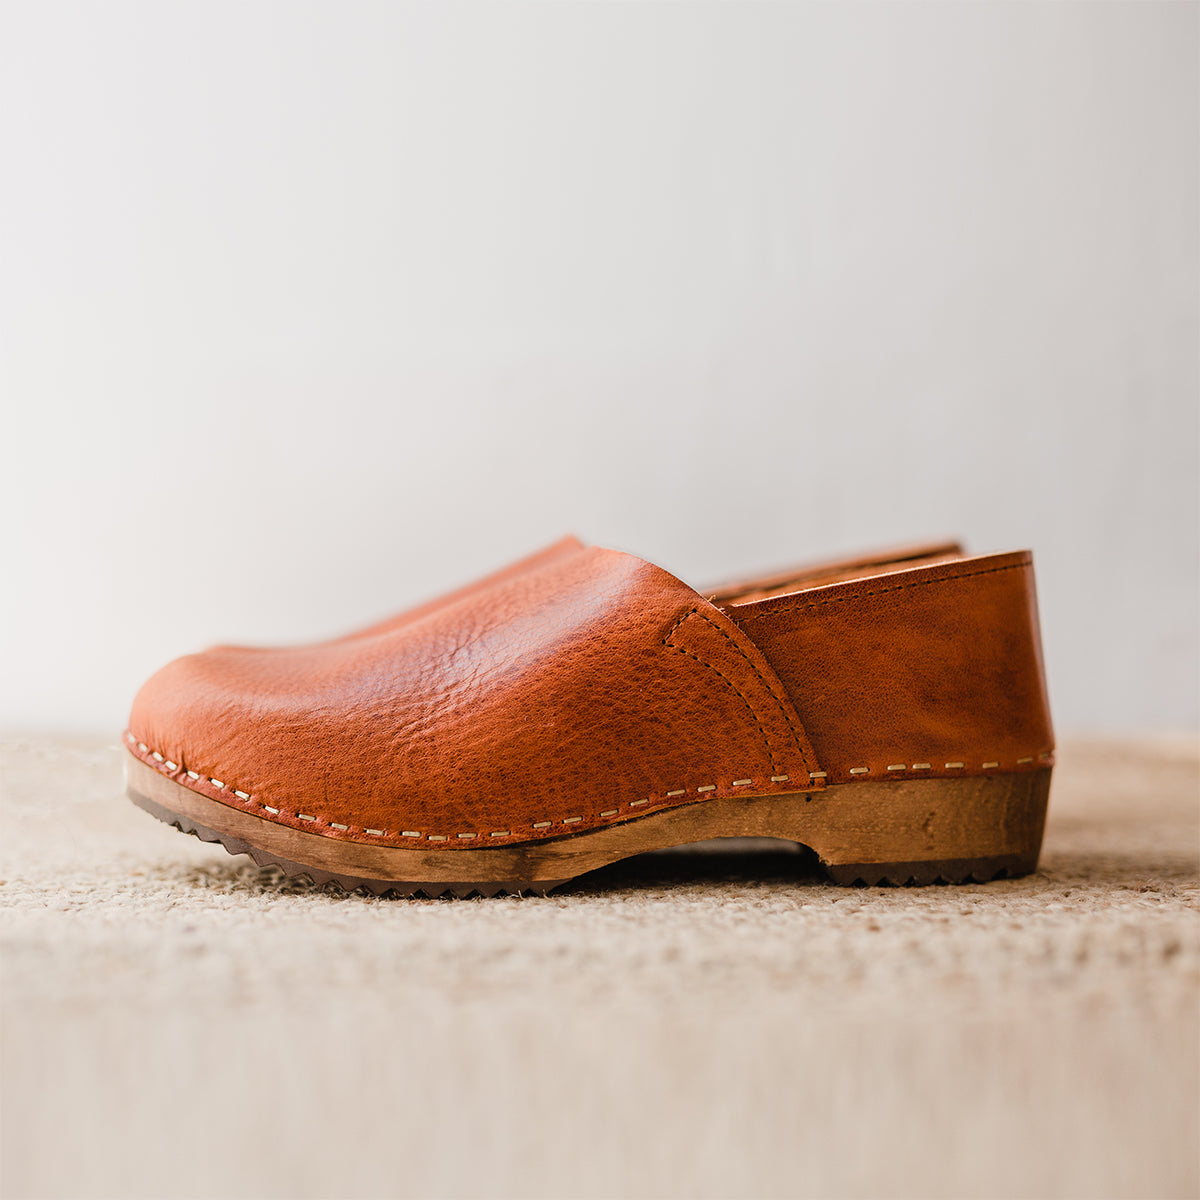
(930, 830)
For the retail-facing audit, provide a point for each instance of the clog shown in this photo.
(586, 706)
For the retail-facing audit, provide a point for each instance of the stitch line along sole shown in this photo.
(1046, 759)
(929, 827)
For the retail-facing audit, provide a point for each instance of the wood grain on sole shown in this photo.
(869, 832)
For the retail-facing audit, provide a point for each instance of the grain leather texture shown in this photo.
(586, 686)
(936, 670)
(591, 688)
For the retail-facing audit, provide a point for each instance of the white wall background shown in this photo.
(311, 310)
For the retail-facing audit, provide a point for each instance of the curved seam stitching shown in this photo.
(775, 612)
(762, 679)
(671, 632)
(737, 692)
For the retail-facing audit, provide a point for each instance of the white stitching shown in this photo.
(1045, 756)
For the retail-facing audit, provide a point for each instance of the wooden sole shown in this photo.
(892, 831)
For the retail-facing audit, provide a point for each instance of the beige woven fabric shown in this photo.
(177, 1023)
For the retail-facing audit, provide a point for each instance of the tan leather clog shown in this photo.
(586, 705)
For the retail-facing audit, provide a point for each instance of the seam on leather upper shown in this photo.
(703, 792)
(737, 691)
(766, 737)
(764, 681)
(634, 807)
(777, 611)
(789, 724)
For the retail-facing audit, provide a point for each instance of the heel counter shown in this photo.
(926, 672)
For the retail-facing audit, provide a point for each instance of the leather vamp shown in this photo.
(591, 688)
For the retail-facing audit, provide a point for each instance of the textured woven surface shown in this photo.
(178, 1023)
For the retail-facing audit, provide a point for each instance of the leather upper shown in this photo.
(936, 670)
(589, 686)
(594, 683)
